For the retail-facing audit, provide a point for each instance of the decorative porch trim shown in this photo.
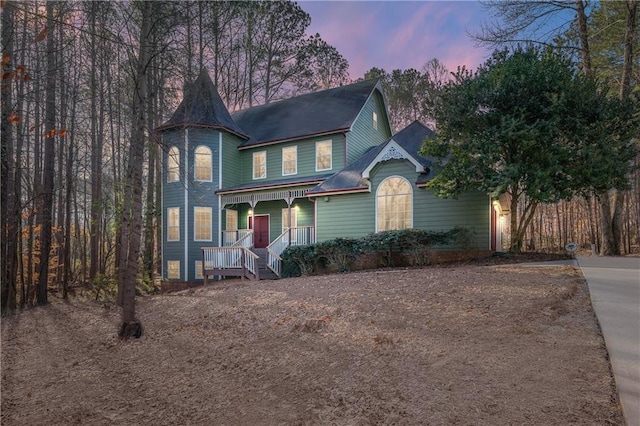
(253, 198)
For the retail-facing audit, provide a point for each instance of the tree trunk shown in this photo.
(132, 214)
(8, 201)
(49, 159)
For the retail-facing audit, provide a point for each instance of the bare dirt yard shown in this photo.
(467, 344)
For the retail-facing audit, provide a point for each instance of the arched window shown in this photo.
(173, 165)
(394, 204)
(202, 169)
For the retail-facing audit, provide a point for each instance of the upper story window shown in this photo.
(394, 204)
(202, 164)
(289, 160)
(202, 219)
(173, 164)
(375, 120)
(173, 224)
(260, 165)
(323, 156)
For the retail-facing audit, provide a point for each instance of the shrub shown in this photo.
(341, 253)
(298, 260)
(338, 254)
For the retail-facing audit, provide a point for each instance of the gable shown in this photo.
(404, 145)
(393, 151)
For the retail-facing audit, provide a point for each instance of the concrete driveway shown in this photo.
(614, 285)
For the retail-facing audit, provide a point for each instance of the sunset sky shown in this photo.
(399, 34)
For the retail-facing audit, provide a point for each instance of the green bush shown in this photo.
(338, 254)
(341, 253)
(298, 260)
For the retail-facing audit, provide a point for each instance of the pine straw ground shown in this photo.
(466, 344)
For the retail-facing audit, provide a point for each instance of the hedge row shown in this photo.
(341, 254)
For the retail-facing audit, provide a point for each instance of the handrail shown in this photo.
(230, 238)
(245, 241)
(294, 236)
(229, 261)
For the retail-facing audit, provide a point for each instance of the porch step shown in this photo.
(263, 269)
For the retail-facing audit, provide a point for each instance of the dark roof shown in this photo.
(325, 112)
(350, 178)
(203, 107)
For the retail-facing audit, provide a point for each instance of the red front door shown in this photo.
(260, 231)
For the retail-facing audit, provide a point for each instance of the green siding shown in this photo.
(363, 135)
(231, 160)
(306, 159)
(353, 215)
(347, 215)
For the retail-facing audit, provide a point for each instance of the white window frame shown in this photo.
(410, 194)
(375, 120)
(294, 149)
(318, 145)
(231, 220)
(176, 268)
(196, 168)
(171, 225)
(197, 210)
(173, 165)
(285, 222)
(198, 266)
(256, 155)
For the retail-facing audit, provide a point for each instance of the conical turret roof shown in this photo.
(203, 107)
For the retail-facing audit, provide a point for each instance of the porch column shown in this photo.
(289, 201)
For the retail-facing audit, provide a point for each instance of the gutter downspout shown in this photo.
(220, 207)
(186, 204)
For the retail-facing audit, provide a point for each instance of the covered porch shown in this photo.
(258, 226)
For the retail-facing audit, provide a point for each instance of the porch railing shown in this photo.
(229, 238)
(235, 261)
(295, 236)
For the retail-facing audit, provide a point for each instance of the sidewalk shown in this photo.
(614, 285)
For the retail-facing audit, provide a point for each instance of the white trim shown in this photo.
(330, 142)
(186, 204)
(392, 151)
(294, 147)
(162, 247)
(219, 235)
(173, 278)
(198, 270)
(253, 165)
(169, 157)
(210, 209)
(168, 217)
(411, 195)
(195, 178)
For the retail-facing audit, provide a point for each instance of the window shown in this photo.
(202, 164)
(323, 156)
(173, 269)
(173, 165)
(289, 160)
(260, 165)
(199, 275)
(231, 220)
(202, 223)
(394, 204)
(375, 121)
(294, 222)
(173, 224)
